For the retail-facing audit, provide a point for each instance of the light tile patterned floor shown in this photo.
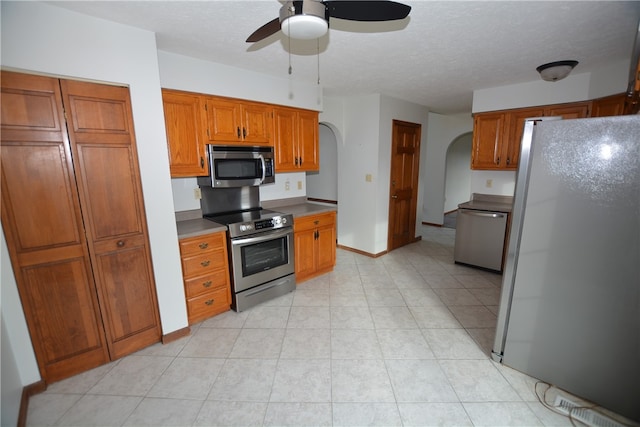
(401, 340)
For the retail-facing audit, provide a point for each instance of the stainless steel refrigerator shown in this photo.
(570, 303)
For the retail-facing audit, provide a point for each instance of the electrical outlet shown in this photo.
(197, 193)
(287, 185)
(299, 185)
(489, 183)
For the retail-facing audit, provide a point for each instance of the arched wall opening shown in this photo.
(322, 186)
(457, 185)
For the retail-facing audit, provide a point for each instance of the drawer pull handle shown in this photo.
(203, 245)
(207, 284)
(205, 263)
(209, 301)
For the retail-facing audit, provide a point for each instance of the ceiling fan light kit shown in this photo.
(554, 71)
(311, 22)
(309, 19)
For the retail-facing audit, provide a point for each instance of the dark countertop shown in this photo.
(197, 227)
(487, 202)
(191, 223)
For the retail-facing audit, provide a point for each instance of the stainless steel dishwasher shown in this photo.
(480, 237)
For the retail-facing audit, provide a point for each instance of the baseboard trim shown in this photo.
(431, 224)
(176, 335)
(27, 392)
(358, 251)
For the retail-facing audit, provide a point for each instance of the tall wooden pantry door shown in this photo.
(73, 215)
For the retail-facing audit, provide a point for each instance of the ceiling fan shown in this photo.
(309, 19)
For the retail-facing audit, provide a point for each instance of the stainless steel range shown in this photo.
(260, 243)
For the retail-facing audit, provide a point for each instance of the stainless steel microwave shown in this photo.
(238, 166)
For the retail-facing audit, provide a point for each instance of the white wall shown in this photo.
(363, 128)
(42, 38)
(196, 75)
(442, 130)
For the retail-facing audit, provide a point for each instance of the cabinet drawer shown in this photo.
(201, 284)
(203, 263)
(207, 305)
(314, 221)
(200, 244)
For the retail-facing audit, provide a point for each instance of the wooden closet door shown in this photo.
(42, 222)
(100, 127)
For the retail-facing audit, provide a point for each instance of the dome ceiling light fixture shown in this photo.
(554, 71)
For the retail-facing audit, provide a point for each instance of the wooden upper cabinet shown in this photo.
(296, 140)
(514, 137)
(186, 135)
(577, 110)
(235, 122)
(488, 137)
(609, 106)
(497, 135)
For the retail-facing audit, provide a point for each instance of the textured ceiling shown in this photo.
(436, 57)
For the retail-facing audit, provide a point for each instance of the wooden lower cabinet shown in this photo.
(205, 267)
(315, 245)
(73, 216)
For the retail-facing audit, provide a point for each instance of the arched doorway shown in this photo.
(322, 186)
(457, 184)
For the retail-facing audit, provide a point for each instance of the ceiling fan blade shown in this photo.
(265, 31)
(367, 10)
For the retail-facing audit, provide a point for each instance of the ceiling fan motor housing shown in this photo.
(310, 19)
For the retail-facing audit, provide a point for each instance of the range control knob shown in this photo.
(284, 220)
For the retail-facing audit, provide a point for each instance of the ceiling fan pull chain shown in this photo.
(290, 69)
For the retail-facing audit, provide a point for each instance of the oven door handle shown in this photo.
(262, 237)
(264, 168)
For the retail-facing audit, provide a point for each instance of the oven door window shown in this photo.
(238, 169)
(259, 257)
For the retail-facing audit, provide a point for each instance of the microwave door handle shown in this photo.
(264, 168)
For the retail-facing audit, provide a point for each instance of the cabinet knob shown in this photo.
(202, 162)
(209, 302)
(244, 133)
(508, 160)
(238, 130)
(316, 222)
(120, 243)
(207, 284)
(498, 161)
(205, 263)
(203, 245)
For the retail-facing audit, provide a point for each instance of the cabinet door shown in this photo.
(578, 110)
(609, 106)
(514, 139)
(100, 129)
(223, 120)
(326, 248)
(305, 253)
(42, 222)
(257, 123)
(185, 133)
(488, 136)
(285, 144)
(308, 141)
